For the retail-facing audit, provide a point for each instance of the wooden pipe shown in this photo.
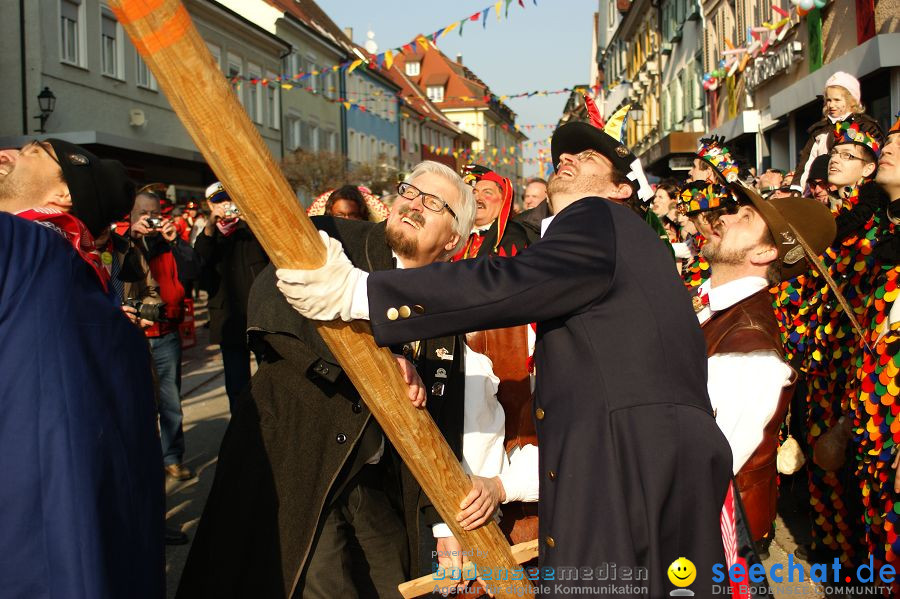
(167, 40)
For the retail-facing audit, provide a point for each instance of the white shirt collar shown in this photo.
(398, 260)
(546, 223)
(728, 294)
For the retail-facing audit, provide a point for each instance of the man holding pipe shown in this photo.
(620, 357)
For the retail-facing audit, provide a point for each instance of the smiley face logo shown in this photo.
(682, 572)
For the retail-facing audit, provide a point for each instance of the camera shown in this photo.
(232, 211)
(151, 312)
(155, 222)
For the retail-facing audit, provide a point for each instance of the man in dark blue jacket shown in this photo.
(82, 493)
(634, 469)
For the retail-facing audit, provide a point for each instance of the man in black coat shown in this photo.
(309, 499)
(231, 258)
(634, 469)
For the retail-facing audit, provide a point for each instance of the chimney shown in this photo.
(459, 58)
(348, 31)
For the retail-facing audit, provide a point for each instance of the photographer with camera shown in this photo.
(155, 237)
(230, 258)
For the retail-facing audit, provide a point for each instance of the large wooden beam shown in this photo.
(164, 35)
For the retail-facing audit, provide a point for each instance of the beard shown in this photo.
(587, 185)
(716, 254)
(405, 246)
(17, 194)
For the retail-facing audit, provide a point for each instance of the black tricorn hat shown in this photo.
(101, 190)
(578, 136)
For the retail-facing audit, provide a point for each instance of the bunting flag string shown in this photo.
(290, 82)
(423, 40)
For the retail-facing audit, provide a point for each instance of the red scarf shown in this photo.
(473, 245)
(75, 232)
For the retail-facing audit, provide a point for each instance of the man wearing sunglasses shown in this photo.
(303, 453)
(621, 405)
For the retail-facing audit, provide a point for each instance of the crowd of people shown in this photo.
(577, 342)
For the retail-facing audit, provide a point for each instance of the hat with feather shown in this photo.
(607, 139)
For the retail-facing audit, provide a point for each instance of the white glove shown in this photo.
(326, 292)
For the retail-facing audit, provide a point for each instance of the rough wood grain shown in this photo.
(163, 33)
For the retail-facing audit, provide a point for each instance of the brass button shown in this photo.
(419, 309)
(539, 414)
(552, 475)
(550, 542)
(392, 314)
(405, 311)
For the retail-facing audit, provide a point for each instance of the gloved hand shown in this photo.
(326, 292)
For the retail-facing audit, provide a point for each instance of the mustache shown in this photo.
(412, 215)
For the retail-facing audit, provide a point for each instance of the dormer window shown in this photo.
(435, 93)
(413, 69)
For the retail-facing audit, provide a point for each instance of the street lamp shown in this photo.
(47, 103)
(636, 113)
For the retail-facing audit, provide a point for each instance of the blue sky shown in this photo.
(543, 47)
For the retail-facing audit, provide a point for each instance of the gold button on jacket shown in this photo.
(539, 414)
(405, 311)
(550, 542)
(392, 313)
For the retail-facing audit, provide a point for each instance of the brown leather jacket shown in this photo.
(745, 327)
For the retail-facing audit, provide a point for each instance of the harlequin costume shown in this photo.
(877, 428)
(699, 197)
(828, 356)
(503, 237)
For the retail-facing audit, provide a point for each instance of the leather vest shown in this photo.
(508, 350)
(745, 327)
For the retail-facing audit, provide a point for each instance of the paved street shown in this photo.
(206, 417)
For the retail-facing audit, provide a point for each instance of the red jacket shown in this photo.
(163, 268)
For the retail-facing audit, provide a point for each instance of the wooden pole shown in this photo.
(163, 33)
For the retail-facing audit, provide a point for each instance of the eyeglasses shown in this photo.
(432, 202)
(845, 156)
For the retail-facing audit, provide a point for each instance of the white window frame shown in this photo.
(272, 93)
(143, 76)
(80, 42)
(292, 130)
(235, 68)
(254, 103)
(216, 52)
(351, 145)
(313, 80)
(435, 93)
(118, 70)
(413, 68)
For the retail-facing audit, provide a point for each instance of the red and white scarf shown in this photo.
(75, 232)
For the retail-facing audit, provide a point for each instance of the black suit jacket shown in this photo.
(298, 435)
(634, 469)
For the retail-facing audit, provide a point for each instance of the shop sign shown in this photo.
(772, 64)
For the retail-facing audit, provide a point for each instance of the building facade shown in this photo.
(468, 102)
(769, 101)
(106, 97)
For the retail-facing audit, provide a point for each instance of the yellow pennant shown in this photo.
(353, 65)
(450, 28)
(347, 105)
(497, 8)
(388, 59)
